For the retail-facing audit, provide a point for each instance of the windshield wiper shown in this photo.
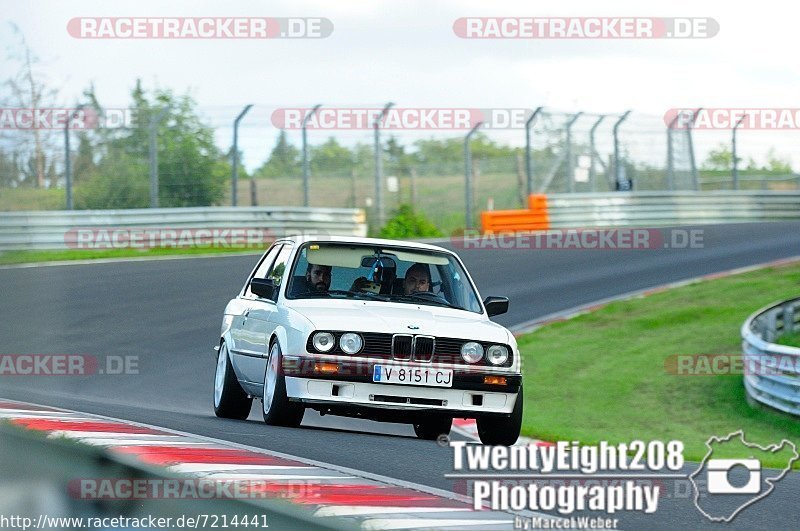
(348, 293)
(427, 298)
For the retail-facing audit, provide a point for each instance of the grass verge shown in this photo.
(24, 257)
(790, 340)
(602, 375)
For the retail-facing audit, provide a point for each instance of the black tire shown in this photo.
(431, 428)
(503, 431)
(230, 400)
(277, 410)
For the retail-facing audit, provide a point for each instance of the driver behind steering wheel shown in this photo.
(418, 279)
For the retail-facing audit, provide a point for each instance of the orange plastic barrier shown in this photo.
(534, 218)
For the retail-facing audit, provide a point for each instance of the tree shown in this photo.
(283, 161)
(719, 159)
(8, 169)
(192, 170)
(447, 156)
(776, 164)
(83, 165)
(331, 159)
(398, 161)
(120, 180)
(28, 89)
(363, 159)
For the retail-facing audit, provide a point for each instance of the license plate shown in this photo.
(412, 375)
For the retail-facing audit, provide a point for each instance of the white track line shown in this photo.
(93, 261)
(357, 510)
(192, 468)
(432, 523)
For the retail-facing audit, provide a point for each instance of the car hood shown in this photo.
(398, 318)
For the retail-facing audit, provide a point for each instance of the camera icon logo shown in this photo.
(724, 486)
(720, 471)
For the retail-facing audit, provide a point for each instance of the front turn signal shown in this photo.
(326, 368)
(495, 380)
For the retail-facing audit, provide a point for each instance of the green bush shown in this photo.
(121, 181)
(408, 224)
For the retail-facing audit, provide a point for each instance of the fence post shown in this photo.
(308, 116)
(528, 155)
(379, 208)
(592, 152)
(622, 183)
(570, 165)
(235, 168)
(155, 119)
(735, 157)
(68, 157)
(692, 162)
(468, 174)
(671, 154)
(413, 187)
(253, 192)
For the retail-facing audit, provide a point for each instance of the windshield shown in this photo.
(388, 274)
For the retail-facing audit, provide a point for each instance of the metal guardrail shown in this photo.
(620, 209)
(772, 372)
(49, 229)
(725, 182)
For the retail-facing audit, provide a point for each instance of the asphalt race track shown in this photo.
(167, 312)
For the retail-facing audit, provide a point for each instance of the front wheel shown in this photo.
(431, 429)
(230, 400)
(502, 431)
(277, 409)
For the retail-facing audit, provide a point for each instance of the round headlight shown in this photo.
(472, 352)
(323, 341)
(351, 343)
(497, 354)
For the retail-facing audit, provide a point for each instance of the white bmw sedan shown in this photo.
(368, 328)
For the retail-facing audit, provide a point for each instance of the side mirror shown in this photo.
(496, 305)
(263, 287)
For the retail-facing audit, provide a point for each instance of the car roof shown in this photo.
(304, 238)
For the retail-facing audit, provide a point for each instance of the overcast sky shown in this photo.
(407, 52)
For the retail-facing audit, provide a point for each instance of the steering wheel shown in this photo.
(429, 294)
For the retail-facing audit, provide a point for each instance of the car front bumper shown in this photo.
(352, 388)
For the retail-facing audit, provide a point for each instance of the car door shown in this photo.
(247, 342)
(259, 323)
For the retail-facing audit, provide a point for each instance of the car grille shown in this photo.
(423, 348)
(407, 347)
(402, 346)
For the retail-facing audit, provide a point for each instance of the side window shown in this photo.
(264, 267)
(279, 270)
(436, 281)
(298, 283)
